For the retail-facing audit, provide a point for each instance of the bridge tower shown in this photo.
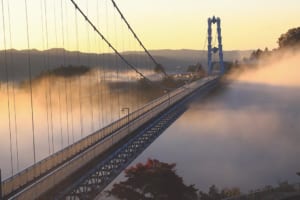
(214, 50)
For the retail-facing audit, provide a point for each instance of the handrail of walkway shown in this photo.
(35, 172)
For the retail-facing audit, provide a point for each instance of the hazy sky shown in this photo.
(246, 24)
(161, 24)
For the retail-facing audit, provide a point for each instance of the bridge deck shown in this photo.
(101, 174)
(48, 173)
(90, 182)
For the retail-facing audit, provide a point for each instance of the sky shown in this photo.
(246, 24)
(160, 24)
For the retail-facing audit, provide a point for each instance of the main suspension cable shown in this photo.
(135, 36)
(108, 43)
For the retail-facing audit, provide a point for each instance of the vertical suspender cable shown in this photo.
(1, 184)
(30, 82)
(7, 90)
(110, 46)
(122, 50)
(46, 90)
(98, 82)
(50, 78)
(137, 77)
(111, 89)
(59, 88)
(79, 77)
(13, 88)
(135, 35)
(117, 68)
(70, 80)
(105, 69)
(99, 77)
(131, 82)
(89, 66)
(102, 73)
(123, 92)
(64, 56)
(148, 81)
(140, 61)
(109, 71)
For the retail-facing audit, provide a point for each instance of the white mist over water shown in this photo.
(280, 69)
(64, 111)
(246, 134)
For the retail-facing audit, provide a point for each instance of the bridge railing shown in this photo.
(55, 165)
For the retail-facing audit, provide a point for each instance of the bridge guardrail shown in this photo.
(117, 130)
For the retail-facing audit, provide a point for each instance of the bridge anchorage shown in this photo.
(213, 50)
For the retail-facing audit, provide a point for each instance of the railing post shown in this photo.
(0, 185)
(128, 111)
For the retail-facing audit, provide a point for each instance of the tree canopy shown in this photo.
(195, 68)
(290, 39)
(215, 194)
(160, 69)
(68, 71)
(154, 180)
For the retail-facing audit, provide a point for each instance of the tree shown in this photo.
(230, 192)
(154, 180)
(290, 39)
(266, 50)
(285, 186)
(256, 54)
(196, 70)
(192, 68)
(214, 194)
(160, 69)
(67, 71)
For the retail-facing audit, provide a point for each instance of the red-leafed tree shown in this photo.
(153, 180)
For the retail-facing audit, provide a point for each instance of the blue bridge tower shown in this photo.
(214, 50)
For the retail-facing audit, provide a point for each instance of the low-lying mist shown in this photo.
(244, 134)
(280, 68)
(249, 129)
(64, 109)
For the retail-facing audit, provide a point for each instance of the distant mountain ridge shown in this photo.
(200, 54)
(41, 61)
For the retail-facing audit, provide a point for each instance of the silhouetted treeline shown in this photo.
(41, 61)
(290, 39)
(287, 41)
(68, 71)
(215, 194)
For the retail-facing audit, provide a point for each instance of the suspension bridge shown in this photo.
(84, 99)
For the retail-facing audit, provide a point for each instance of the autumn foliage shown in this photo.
(153, 180)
